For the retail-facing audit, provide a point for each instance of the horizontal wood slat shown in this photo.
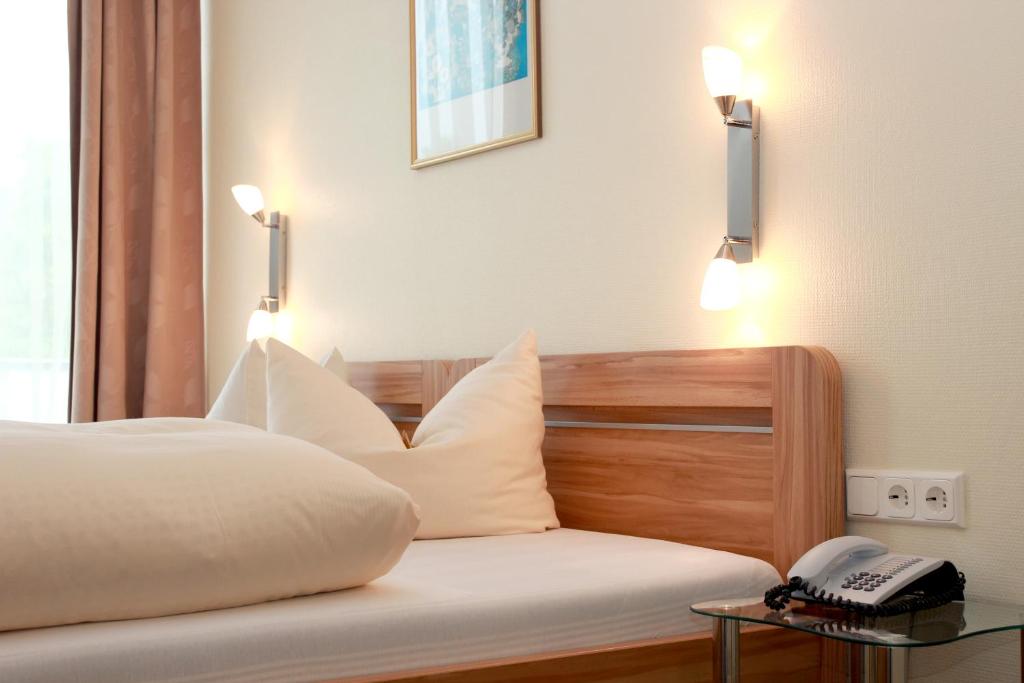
(681, 379)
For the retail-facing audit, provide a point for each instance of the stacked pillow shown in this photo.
(475, 467)
(244, 396)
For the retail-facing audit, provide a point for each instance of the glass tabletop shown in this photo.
(914, 629)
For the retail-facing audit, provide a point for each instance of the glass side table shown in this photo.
(866, 635)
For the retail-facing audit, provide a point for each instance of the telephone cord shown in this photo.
(778, 597)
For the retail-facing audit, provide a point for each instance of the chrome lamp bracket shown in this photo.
(743, 161)
(277, 261)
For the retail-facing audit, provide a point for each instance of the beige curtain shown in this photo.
(137, 204)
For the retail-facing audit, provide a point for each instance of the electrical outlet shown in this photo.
(906, 496)
(938, 499)
(899, 497)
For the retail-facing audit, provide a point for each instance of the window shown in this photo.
(35, 212)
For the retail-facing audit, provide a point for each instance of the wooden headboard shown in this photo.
(736, 449)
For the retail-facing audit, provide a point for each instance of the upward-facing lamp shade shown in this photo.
(250, 199)
(723, 70)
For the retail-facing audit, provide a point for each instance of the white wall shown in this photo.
(892, 214)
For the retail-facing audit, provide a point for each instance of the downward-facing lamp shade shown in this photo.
(261, 325)
(721, 290)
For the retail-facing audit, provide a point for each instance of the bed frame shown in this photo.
(737, 449)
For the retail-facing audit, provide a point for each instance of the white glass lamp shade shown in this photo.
(249, 198)
(721, 290)
(723, 71)
(261, 325)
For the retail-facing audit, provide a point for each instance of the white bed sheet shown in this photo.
(447, 601)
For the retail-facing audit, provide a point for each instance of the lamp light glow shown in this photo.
(721, 290)
(250, 199)
(723, 71)
(261, 325)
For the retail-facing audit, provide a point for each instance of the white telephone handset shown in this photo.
(817, 560)
(860, 573)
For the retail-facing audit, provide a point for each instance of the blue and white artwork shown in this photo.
(469, 46)
(475, 76)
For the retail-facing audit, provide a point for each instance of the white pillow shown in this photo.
(476, 467)
(335, 362)
(313, 404)
(143, 518)
(243, 398)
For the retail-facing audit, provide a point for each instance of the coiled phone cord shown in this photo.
(778, 597)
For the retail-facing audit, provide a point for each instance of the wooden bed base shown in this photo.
(735, 449)
(769, 655)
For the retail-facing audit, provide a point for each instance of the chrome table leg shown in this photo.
(726, 646)
(897, 667)
(868, 663)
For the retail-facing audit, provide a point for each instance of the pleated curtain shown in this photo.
(137, 205)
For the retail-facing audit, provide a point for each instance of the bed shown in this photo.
(731, 450)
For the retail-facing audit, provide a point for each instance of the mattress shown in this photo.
(447, 601)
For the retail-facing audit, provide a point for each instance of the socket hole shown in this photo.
(899, 497)
(936, 499)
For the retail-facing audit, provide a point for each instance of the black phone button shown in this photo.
(868, 589)
(858, 588)
(846, 585)
(887, 576)
(863, 574)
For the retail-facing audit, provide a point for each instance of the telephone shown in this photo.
(860, 574)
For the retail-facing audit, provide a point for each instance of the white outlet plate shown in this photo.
(947, 510)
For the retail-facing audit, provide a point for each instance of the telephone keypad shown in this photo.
(875, 578)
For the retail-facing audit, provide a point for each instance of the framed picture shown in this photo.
(474, 76)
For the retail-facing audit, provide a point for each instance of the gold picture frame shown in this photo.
(474, 99)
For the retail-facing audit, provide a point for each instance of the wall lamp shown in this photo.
(261, 323)
(723, 74)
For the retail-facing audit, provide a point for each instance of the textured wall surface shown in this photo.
(892, 213)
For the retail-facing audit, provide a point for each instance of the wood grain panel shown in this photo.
(396, 382)
(398, 411)
(807, 399)
(723, 378)
(702, 488)
(672, 660)
(439, 376)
